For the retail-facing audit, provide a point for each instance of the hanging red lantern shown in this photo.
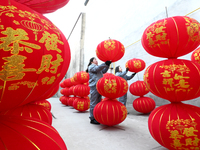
(21, 133)
(112, 50)
(81, 104)
(144, 104)
(176, 126)
(172, 37)
(65, 91)
(81, 77)
(195, 57)
(35, 55)
(135, 65)
(173, 79)
(30, 110)
(44, 103)
(81, 90)
(138, 88)
(64, 100)
(110, 112)
(44, 6)
(112, 86)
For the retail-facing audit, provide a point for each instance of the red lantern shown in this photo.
(110, 112)
(112, 50)
(62, 85)
(50, 92)
(171, 37)
(71, 90)
(107, 74)
(21, 133)
(138, 88)
(135, 65)
(44, 103)
(176, 126)
(81, 104)
(71, 101)
(34, 54)
(81, 77)
(30, 110)
(112, 86)
(174, 79)
(195, 57)
(67, 82)
(144, 104)
(64, 100)
(44, 6)
(81, 90)
(65, 91)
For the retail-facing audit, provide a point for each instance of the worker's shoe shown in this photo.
(93, 121)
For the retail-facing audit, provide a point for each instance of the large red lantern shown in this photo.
(138, 88)
(34, 55)
(171, 37)
(195, 57)
(21, 133)
(44, 103)
(32, 111)
(81, 104)
(112, 50)
(176, 126)
(135, 65)
(144, 104)
(81, 90)
(110, 112)
(81, 77)
(112, 86)
(173, 79)
(44, 6)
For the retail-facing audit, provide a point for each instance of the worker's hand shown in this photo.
(108, 63)
(127, 69)
(134, 74)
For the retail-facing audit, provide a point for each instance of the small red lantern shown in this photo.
(81, 104)
(174, 79)
(71, 101)
(44, 6)
(67, 82)
(65, 91)
(112, 86)
(30, 110)
(110, 112)
(135, 65)
(64, 100)
(25, 133)
(176, 126)
(71, 90)
(144, 104)
(112, 50)
(138, 88)
(62, 85)
(44, 103)
(195, 57)
(172, 37)
(81, 90)
(81, 77)
(35, 55)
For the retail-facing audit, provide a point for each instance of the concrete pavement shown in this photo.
(78, 134)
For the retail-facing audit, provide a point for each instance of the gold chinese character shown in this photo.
(16, 37)
(182, 83)
(168, 81)
(189, 131)
(110, 86)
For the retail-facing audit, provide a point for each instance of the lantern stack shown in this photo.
(176, 125)
(35, 56)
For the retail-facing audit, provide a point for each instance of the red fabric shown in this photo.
(35, 55)
(64, 100)
(135, 65)
(171, 37)
(51, 92)
(112, 86)
(112, 50)
(30, 110)
(81, 77)
(176, 126)
(144, 104)
(138, 88)
(81, 104)
(81, 90)
(44, 6)
(174, 79)
(44, 103)
(110, 112)
(21, 133)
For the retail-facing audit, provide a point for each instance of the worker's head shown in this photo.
(118, 69)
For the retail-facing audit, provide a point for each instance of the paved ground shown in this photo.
(79, 134)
